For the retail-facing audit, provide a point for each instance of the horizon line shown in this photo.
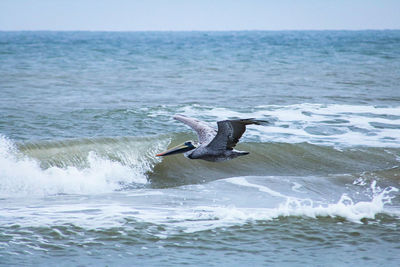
(242, 30)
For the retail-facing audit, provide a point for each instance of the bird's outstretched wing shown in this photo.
(230, 131)
(204, 131)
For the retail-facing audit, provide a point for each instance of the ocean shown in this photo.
(82, 115)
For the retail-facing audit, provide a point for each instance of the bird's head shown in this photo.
(182, 148)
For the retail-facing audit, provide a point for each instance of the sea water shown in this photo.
(82, 115)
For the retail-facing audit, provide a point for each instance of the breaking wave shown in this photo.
(98, 165)
(74, 167)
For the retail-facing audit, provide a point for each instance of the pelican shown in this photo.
(213, 145)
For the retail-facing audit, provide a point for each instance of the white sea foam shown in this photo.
(22, 176)
(345, 207)
(344, 125)
(186, 210)
(243, 182)
(296, 187)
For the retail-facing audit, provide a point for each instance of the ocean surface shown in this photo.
(82, 115)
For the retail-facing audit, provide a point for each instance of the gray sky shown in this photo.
(125, 15)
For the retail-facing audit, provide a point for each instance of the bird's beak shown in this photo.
(175, 150)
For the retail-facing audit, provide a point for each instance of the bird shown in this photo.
(213, 145)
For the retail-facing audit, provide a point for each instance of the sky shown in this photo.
(195, 15)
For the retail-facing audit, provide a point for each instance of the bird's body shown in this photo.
(213, 145)
(205, 153)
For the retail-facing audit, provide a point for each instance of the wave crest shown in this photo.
(87, 166)
(70, 167)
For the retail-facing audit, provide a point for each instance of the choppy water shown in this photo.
(82, 115)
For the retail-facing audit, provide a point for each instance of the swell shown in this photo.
(278, 159)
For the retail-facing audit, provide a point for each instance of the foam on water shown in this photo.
(345, 207)
(179, 209)
(335, 124)
(22, 176)
(243, 182)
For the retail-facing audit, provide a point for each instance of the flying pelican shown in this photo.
(213, 145)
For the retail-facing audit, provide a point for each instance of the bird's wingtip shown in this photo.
(262, 122)
(177, 116)
(255, 121)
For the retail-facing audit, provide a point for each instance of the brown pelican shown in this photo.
(213, 145)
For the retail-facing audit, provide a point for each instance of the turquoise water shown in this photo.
(82, 115)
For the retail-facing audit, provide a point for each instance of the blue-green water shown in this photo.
(82, 115)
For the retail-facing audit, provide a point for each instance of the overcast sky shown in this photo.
(135, 15)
